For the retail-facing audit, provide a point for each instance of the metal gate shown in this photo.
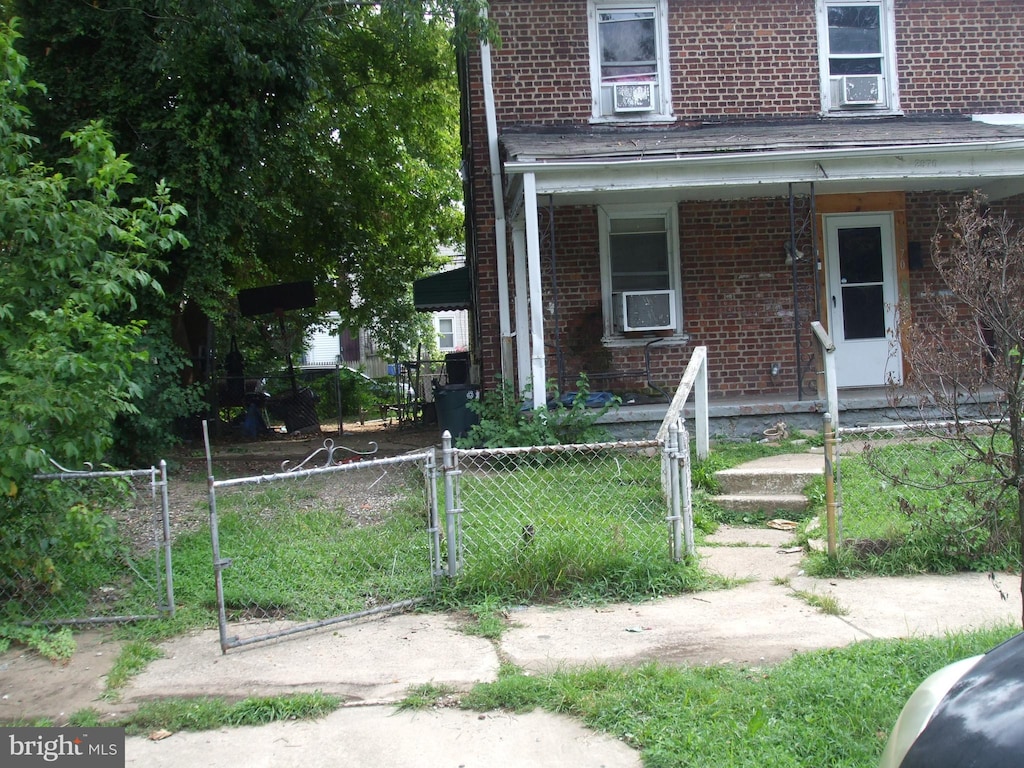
(339, 536)
(578, 512)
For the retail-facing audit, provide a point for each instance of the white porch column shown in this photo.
(538, 377)
(522, 307)
(500, 245)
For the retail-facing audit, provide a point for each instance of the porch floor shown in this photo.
(751, 415)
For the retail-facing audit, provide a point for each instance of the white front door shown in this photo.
(861, 255)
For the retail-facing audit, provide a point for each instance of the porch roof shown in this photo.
(760, 159)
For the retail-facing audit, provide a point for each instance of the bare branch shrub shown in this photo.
(965, 376)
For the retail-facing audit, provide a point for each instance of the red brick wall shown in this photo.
(759, 58)
(730, 60)
(737, 300)
(738, 292)
(738, 297)
(922, 225)
(960, 55)
(747, 59)
(542, 67)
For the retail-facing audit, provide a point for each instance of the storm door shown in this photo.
(862, 294)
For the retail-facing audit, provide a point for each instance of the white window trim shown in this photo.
(889, 68)
(663, 113)
(671, 214)
(437, 329)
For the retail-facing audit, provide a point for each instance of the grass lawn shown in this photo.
(829, 708)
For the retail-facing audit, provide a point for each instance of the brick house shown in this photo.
(647, 176)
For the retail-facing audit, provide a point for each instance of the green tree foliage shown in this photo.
(308, 139)
(75, 258)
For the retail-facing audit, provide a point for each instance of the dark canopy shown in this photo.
(443, 291)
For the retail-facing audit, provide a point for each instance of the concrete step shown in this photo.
(763, 483)
(769, 503)
(772, 484)
(785, 474)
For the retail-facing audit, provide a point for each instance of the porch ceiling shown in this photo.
(761, 159)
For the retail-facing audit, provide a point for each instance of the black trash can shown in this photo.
(452, 411)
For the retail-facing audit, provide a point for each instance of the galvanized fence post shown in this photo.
(433, 528)
(451, 509)
(218, 564)
(165, 509)
(686, 488)
(671, 453)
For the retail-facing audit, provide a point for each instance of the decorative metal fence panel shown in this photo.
(313, 546)
(111, 552)
(550, 518)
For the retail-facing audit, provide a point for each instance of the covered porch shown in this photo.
(806, 172)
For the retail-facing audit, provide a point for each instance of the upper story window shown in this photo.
(629, 60)
(640, 271)
(857, 51)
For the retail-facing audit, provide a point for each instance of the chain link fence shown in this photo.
(546, 521)
(104, 558)
(312, 546)
(918, 485)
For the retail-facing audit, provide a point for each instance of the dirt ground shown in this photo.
(33, 687)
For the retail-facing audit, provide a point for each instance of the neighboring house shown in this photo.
(446, 297)
(452, 329)
(327, 346)
(641, 175)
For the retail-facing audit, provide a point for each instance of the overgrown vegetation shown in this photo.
(903, 527)
(75, 256)
(567, 525)
(295, 556)
(507, 421)
(968, 365)
(204, 714)
(134, 656)
(228, 101)
(56, 645)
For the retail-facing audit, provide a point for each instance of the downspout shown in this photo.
(498, 193)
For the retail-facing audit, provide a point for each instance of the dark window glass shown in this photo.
(855, 66)
(863, 312)
(854, 29)
(639, 259)
(628, 45)
(860, 255)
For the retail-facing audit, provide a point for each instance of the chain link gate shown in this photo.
(131, 579)
(319, 544)
(566, 514)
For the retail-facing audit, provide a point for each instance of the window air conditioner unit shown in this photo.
(633, 97)
(645, 310)
(859, 90)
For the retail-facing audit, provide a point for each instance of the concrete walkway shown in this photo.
(372, 664)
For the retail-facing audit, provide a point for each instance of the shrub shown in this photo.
(507, 421)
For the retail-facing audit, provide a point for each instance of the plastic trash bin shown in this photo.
(452, 411)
